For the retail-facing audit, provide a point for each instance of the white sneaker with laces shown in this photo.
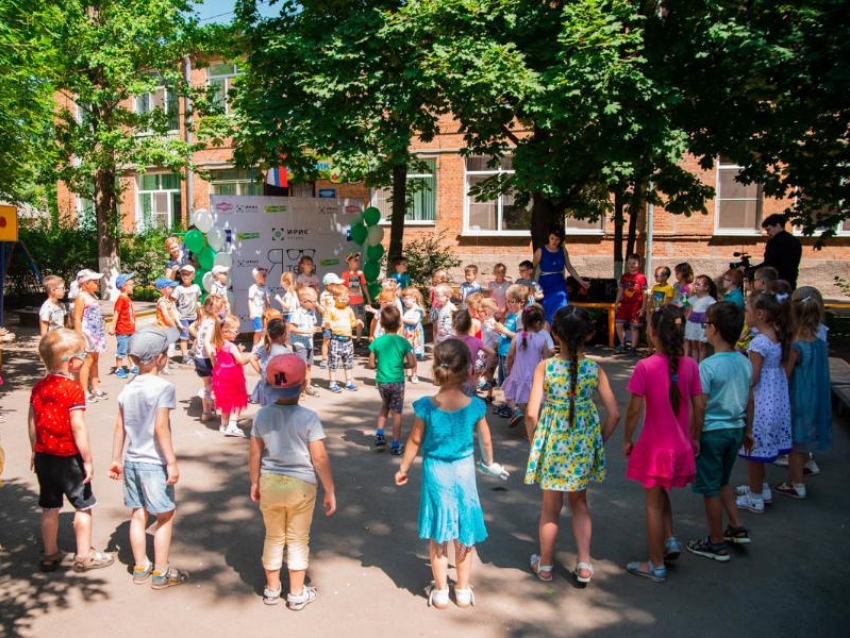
(233, 430)
(751, 502)
(307, 596)
(766, 492)
(811, 468)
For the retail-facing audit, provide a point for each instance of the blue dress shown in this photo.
(551, 280)
(449, 509)
(811, 400)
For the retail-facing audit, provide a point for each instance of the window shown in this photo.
(164, 98)
(497, 215)
(421, 195)
(86, 215)
(159, 201)
(573, 226)
(303, 189)
(221, 77)
(232, 181)
(737, 207)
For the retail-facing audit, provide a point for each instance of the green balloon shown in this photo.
(372, 270)
(199, 277)
(374, 290)
(371, 216)
(206, 258)
(374, 253)
(358, 233)
(194, 241)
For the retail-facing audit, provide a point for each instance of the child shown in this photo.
(307, 277)
(274, 343)
(203, 330)
(765, 277)
(499, 287)
(149, 468)
(477, 351)
(661, 293)
(725, 379)
(167, 315)
(228, 377)
(629, 305)
(439, 277)
(51, 315)
(412, 319)
(515, 303)
(123, 323)
(355, 281)
(258, 302)
(302, 328)
(704, 295)
(567, 449)
(186, 296)
(490, 336)
(733, 282)
(391, 354)
(445, 312)
(88, 322)
(526, 278)
(177, 257)
(682, 287)
(529, 347)
(287, 453)
(61, 455)
(331, 282)
(668, 382)
(219, 285)
(811, 403)
(772, 408)
(341, 322)
(400, 275)
(449, 509)
(289, 301)
(470, 284)
(386, 298)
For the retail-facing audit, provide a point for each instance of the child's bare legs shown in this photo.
(82, 532)
(184, 348)
(439, 564)
(550, 513)
(621, 333)
(659, 523)
(347, 372)
(325, 346)
(727, 498)
(138, 536)
(162, 539)
(463, 564)
(796, 466)
(206, 401)
(258, 336)
(687, 348)
(50, 531)
(635, 331)
(94, 374)
(755, 474)
(85, 373)
(582, 525)
(396, 427)
(382, 418)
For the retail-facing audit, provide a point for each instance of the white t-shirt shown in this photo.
(187, 300)
(204, 336)
(287, 431)
(304, 320)
(53, 314)
(488, 333)
(288, 302)
(258, 300)
(218, 288)
(140, 400)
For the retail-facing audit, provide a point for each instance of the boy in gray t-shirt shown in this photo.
(186, 297)
(287, 453)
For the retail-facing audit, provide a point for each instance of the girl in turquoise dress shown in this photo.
(567, 441)
(449, 508)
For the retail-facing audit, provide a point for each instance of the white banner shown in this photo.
(274, 232)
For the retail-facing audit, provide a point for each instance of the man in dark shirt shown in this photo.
(783, 251)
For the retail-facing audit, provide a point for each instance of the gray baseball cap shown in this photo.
(148, 343)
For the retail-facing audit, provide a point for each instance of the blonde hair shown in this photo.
(452, 361)
(59, 343)
(308, 291)
(474, 300)
(212, 304)
(471, 268)
(517, 292)
(51, 281)
(806, 311)
(443, 289)
(287, 280)
(269, 314)
(387, 296)
(410, 291)
(490, 304)
(440, 276)
(230, 321)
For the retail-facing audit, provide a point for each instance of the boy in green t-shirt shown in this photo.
(390, 354)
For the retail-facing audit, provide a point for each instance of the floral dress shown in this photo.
(772, 405)
(92, 327)
(412, 329)
(567, 458)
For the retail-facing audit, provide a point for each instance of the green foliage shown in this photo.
(427, 255)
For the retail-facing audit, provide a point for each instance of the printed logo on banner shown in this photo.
(352, 209)
(329, 262)
(248, 235)
(327, 193)
(247, 208)
(281, 234)
(224, 207)
(277, 208)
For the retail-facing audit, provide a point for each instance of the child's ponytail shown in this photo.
(572, 327)
(533, 319)
(667, 324)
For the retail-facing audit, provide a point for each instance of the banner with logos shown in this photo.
(275, 232)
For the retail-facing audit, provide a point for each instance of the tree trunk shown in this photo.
(399, 212)
(106, 205)
(631, 240)
(544, 215)
(618, 233)
(637, 202)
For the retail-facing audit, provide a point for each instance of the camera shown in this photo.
(743, 263)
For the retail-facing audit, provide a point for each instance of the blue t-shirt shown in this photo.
(725, 379)
(403, 279)
(734, 296)
(504, 341)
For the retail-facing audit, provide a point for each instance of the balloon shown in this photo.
(371, 216)
(194, 241)
(375, 236)
(374, 290)
(199, 277)
(208, 281)
(216, 238)
(358, 233)
(374, 253)
(203, 220)
(223, 259)
(206, 258)
(372, 270)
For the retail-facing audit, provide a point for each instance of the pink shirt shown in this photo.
(499, 292)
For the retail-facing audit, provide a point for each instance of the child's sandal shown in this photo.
(51, 562)
(538, 569)
(271, 596)
(465, 597)
(585, 568)
(437, 598)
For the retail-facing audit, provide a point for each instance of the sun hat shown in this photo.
(187, 268)
(219, 269)
(165, 282)
(87, 274)
(285, 376)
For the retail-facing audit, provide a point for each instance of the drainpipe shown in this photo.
(190, 173)
(650, 214)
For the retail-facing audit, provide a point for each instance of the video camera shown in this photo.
(743, 263)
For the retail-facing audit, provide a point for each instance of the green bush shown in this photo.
(427, 255)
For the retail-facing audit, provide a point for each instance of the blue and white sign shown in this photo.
(327, 193)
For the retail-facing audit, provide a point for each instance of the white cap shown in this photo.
(219, 269)
(88, 275)
(331, 278)
(187, 268)
(259, 270)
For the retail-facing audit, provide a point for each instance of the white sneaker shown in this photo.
(781, 461)
(414, 378)
(438, 598)
(234, 431)
(297, 603)
(222, 428)
(766, 492)
(749, 501)
(464, 597)
(811, 468)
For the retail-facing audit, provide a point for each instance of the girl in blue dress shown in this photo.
(553, 259)
(449, 508)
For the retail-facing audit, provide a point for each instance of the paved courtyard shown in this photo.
(367, 562)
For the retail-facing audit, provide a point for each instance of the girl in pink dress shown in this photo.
(530, 346)
(228, 377)
(663, 457)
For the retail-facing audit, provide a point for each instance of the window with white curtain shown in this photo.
(501, 215)
(421, 195)
(737, 206)
(159, 201)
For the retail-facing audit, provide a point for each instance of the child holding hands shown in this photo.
(228, 377)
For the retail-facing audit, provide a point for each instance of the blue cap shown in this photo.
(164, 282)
(123, 278)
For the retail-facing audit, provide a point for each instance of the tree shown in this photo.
(338, 79)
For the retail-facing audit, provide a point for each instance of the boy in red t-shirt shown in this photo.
(355, 281)
(629, 304)
(123, 323)
(60, 450)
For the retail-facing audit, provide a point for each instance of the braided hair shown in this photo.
(533, 319)
(572, 327)
(668, 326)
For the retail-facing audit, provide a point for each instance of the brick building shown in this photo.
(483, 233)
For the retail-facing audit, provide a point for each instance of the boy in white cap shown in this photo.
(258, 302)
(149, 467)
(186, 295)
(219, 285)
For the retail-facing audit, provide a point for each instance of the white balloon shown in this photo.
(203, 220)
(207, 281)
(215, 238)
(375, 236)
(223, 259)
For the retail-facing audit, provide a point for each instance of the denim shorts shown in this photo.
(258, 324)
(203, 367)
(144, 487)
(184, 328)
(123, 346)
(302, 345)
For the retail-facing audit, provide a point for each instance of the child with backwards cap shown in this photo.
(123, 323)
(186, 296)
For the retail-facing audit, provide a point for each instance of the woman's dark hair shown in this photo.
(390, 319)
(556, 230)
(275, 329)
(776, 313)
(462, 322)
(727, 319)
(533, 319)
(452, 361)
(572, 327)
(668, 325)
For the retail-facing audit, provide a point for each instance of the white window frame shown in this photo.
(228, 81)
(238, 182)
(467, 231)
(165, 105)
(744, 232)
(839, 229)
(373, 195)
(140, 214)
(594, 232)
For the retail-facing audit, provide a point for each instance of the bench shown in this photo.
(839, 376)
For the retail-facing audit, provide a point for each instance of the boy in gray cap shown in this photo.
(149, 465)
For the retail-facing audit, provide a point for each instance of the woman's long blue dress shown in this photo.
(551, 280)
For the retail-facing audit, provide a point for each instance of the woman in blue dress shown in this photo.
(553, 259)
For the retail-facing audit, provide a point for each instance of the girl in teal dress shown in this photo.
(567, 441)
(449, 509)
